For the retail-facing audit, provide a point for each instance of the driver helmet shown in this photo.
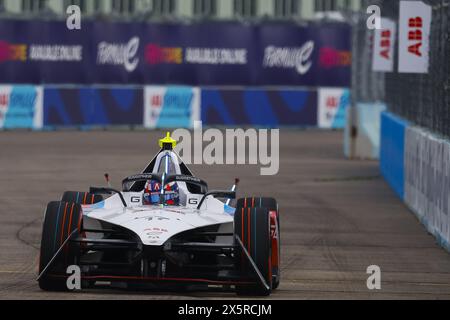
(152, 193)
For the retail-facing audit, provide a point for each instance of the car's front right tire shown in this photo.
(272, 205)
(252, 226)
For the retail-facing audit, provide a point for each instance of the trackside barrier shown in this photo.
(259, 107)
(85, 107)
(332, 106)
(416, 163)
(392, 150)
(171, 106)
(89, 106)
(427, 181)
(21, 107)
(363, 141)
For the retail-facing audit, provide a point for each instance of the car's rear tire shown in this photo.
(272, 205)
(61, 220)
(252, 226)
(81, 197)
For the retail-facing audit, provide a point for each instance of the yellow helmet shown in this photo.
(167, 142)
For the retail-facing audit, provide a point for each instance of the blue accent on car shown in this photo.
(98, 205)
(229, 210)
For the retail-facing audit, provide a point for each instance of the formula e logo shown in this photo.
(298, 58)
(119, 54)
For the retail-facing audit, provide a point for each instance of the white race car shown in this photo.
(164, 229)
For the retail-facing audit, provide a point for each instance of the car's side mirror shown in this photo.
(217, 194)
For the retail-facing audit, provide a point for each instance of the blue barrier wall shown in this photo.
(415, 163)
(259, 107)
(92, 106)
(74, 106)
(86, 106)
(392, 152)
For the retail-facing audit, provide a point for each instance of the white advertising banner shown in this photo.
(332, 106)
(414, 37)
(384, 41)
(21, 107)
(171, 106)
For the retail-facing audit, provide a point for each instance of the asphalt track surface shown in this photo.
(337, 216)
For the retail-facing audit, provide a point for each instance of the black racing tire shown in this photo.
(260, 202)
(272, 205)
(61, 219)
(252, 226)
(81, 197)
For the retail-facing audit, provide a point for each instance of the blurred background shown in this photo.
(167, 63)
(179, 9)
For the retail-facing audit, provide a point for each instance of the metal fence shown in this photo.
(423, 99)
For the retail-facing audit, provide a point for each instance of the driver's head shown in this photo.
(152, 193)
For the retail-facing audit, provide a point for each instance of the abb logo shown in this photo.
(415, 26)
(4, 100)
(415, 35)
(156, 101)
(385, 44)
(332, 102)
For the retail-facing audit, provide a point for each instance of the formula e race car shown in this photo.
(164, 229)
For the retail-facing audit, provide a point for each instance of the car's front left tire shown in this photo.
(61, 220)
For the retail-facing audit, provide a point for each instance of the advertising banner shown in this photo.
(205, 53)
(414, 44)
(92, 106)
(43, 52)
(171, 107)
(20, 107)
(332, 106)
(259, 107)
(384, 42)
